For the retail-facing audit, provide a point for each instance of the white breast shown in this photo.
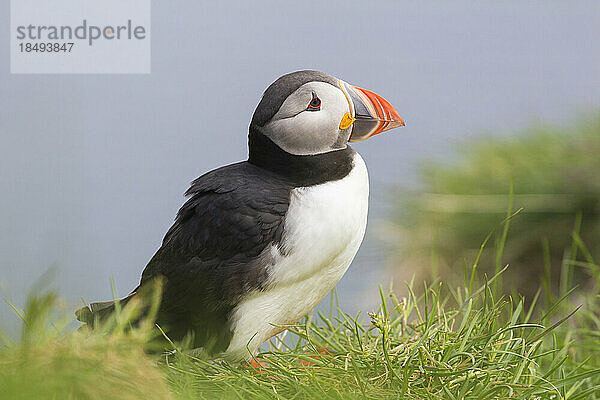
(324, 227)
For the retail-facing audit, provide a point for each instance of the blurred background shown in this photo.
(93, 167)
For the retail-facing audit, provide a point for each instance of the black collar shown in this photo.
(299, 170)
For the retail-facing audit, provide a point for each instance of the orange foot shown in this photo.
(321, 351)
(257, 364)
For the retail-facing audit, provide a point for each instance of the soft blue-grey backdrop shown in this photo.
(93, 167)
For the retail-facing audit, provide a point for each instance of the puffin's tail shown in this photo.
(99, 312)
(145, 302)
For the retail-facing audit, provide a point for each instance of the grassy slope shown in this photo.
(554, 175)
(445, 344)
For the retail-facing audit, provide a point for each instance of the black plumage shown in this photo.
(212, 255)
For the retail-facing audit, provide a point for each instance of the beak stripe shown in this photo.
(375, 103)
(342, 85)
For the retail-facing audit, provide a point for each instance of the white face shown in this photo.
(300, 129)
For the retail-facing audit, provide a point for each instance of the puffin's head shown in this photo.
(310, 112)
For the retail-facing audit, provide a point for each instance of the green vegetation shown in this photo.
(444, 344)
(555, 175)
(52, 363)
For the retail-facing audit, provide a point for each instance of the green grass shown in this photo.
(441, 345)
(553, 174)
(447, 343)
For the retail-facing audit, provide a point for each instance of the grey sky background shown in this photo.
(93, 167)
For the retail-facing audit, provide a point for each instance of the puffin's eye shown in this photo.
(315, 103)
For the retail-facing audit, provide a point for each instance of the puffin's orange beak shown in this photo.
(372, 113)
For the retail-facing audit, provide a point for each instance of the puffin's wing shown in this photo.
(213, 253)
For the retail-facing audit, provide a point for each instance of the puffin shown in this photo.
(259, 243)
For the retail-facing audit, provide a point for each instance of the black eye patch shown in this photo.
(315, 103)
